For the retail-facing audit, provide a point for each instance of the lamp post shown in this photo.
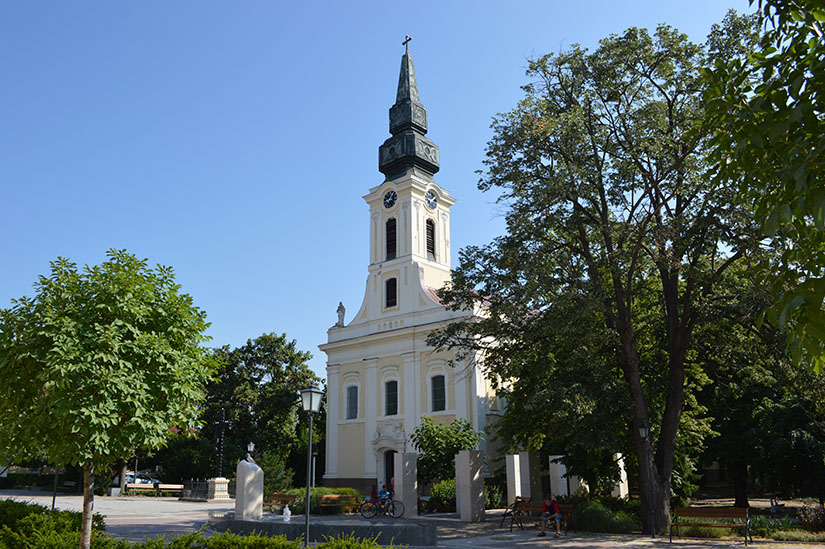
(311, 403)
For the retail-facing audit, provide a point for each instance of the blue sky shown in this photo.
(234, 140)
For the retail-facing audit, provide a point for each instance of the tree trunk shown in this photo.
(739, 472)
(88, 504)
(654, 491)
(122, 481)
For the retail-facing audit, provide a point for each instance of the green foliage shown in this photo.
(442, 494)
(257, 385)
(765, 526)
(100, 362)
(592, 516)
(812, 517)
(30, 525)
(437, 445)
(277, 476)
(351, 542)
(298, 506)
(766, 111)
(493, 496)
(799, 535)
(616, 242)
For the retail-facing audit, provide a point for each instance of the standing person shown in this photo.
(550, 511)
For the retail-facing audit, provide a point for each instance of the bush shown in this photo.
(442, 494)
(493, 495)
(592, 516)
(298, 507)
(12, 513)
(765, 526)
(349, 542)
(812, 517)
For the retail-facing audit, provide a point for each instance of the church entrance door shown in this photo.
(389, 469)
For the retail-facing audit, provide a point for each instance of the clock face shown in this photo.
(389, 199)
(431, 200)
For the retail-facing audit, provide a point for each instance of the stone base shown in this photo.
(218, 489)
(386, 531)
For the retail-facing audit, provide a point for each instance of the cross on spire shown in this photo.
(406, 43)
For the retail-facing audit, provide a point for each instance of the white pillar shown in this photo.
(622, 489)
(513, 478)
(469, 485)
(408, 408)
(370, 398)
(406, 481)
(333, 391)
(529, 474)
(558, 484)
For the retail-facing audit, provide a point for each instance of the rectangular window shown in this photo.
(391, 238)
(391, 292)
(391, 405)
(439, 394)
(352, 402)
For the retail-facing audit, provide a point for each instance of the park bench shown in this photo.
(729, 514)
(157, 489)
(170, 488)
(69, 486)
(532, 512)
(348, 502)
(138, 487)
(280, 500)
(508, 511)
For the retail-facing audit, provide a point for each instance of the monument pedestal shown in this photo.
(217, 488)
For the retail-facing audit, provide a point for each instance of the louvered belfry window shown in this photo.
(391, 292)
(431, 239)
(391, 238)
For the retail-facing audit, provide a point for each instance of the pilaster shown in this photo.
(370, 411)
(333, 393)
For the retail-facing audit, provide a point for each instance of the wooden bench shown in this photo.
(730, 514)
(139, 487)
(508, 511)
(348, 502)
(170, 488)
(280, 500)
(69, 486)
(524, 511)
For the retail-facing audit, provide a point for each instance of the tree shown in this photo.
(100, 362)
(437, 445)
(257, 385)
(602, 169)
(767, 112)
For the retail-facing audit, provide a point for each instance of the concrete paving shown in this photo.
(137, 518)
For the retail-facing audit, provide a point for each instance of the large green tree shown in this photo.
(602, 171)
(257, 386)
(438, 443)
(767, 111)
(102, 361)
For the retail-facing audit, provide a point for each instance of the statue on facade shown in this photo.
(341, 312)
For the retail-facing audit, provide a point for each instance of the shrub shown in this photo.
(351, 542)
(229, 540)
(799, 535)
(493, 495)
(298, 507)
(592, 516)
(442, 494)
(812, 517)
(765, 526)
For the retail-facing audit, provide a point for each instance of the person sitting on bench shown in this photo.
(550, 511)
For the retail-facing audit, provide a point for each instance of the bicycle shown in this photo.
(391, 507)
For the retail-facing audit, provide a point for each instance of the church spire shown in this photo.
(408, 149)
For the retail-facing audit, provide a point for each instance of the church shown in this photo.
(382, 377)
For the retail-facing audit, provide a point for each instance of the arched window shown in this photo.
(352, 402)
(391, 398)
(430, 239)
(439, 393)
(391, 292)
(391, 238)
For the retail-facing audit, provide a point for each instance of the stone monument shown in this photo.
(469, 485)
(406, 481)
(249, 490)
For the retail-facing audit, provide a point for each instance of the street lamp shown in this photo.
(644, 431)
(249, 449)
(311, 403)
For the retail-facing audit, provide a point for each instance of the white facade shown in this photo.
(381, 375)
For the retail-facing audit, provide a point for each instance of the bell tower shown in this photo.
(409, 211)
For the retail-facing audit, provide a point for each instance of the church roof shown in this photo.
(408, 149)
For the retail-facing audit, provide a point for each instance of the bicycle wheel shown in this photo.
(395, 508)
(368, 509)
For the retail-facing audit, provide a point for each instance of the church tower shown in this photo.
(381, 375)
